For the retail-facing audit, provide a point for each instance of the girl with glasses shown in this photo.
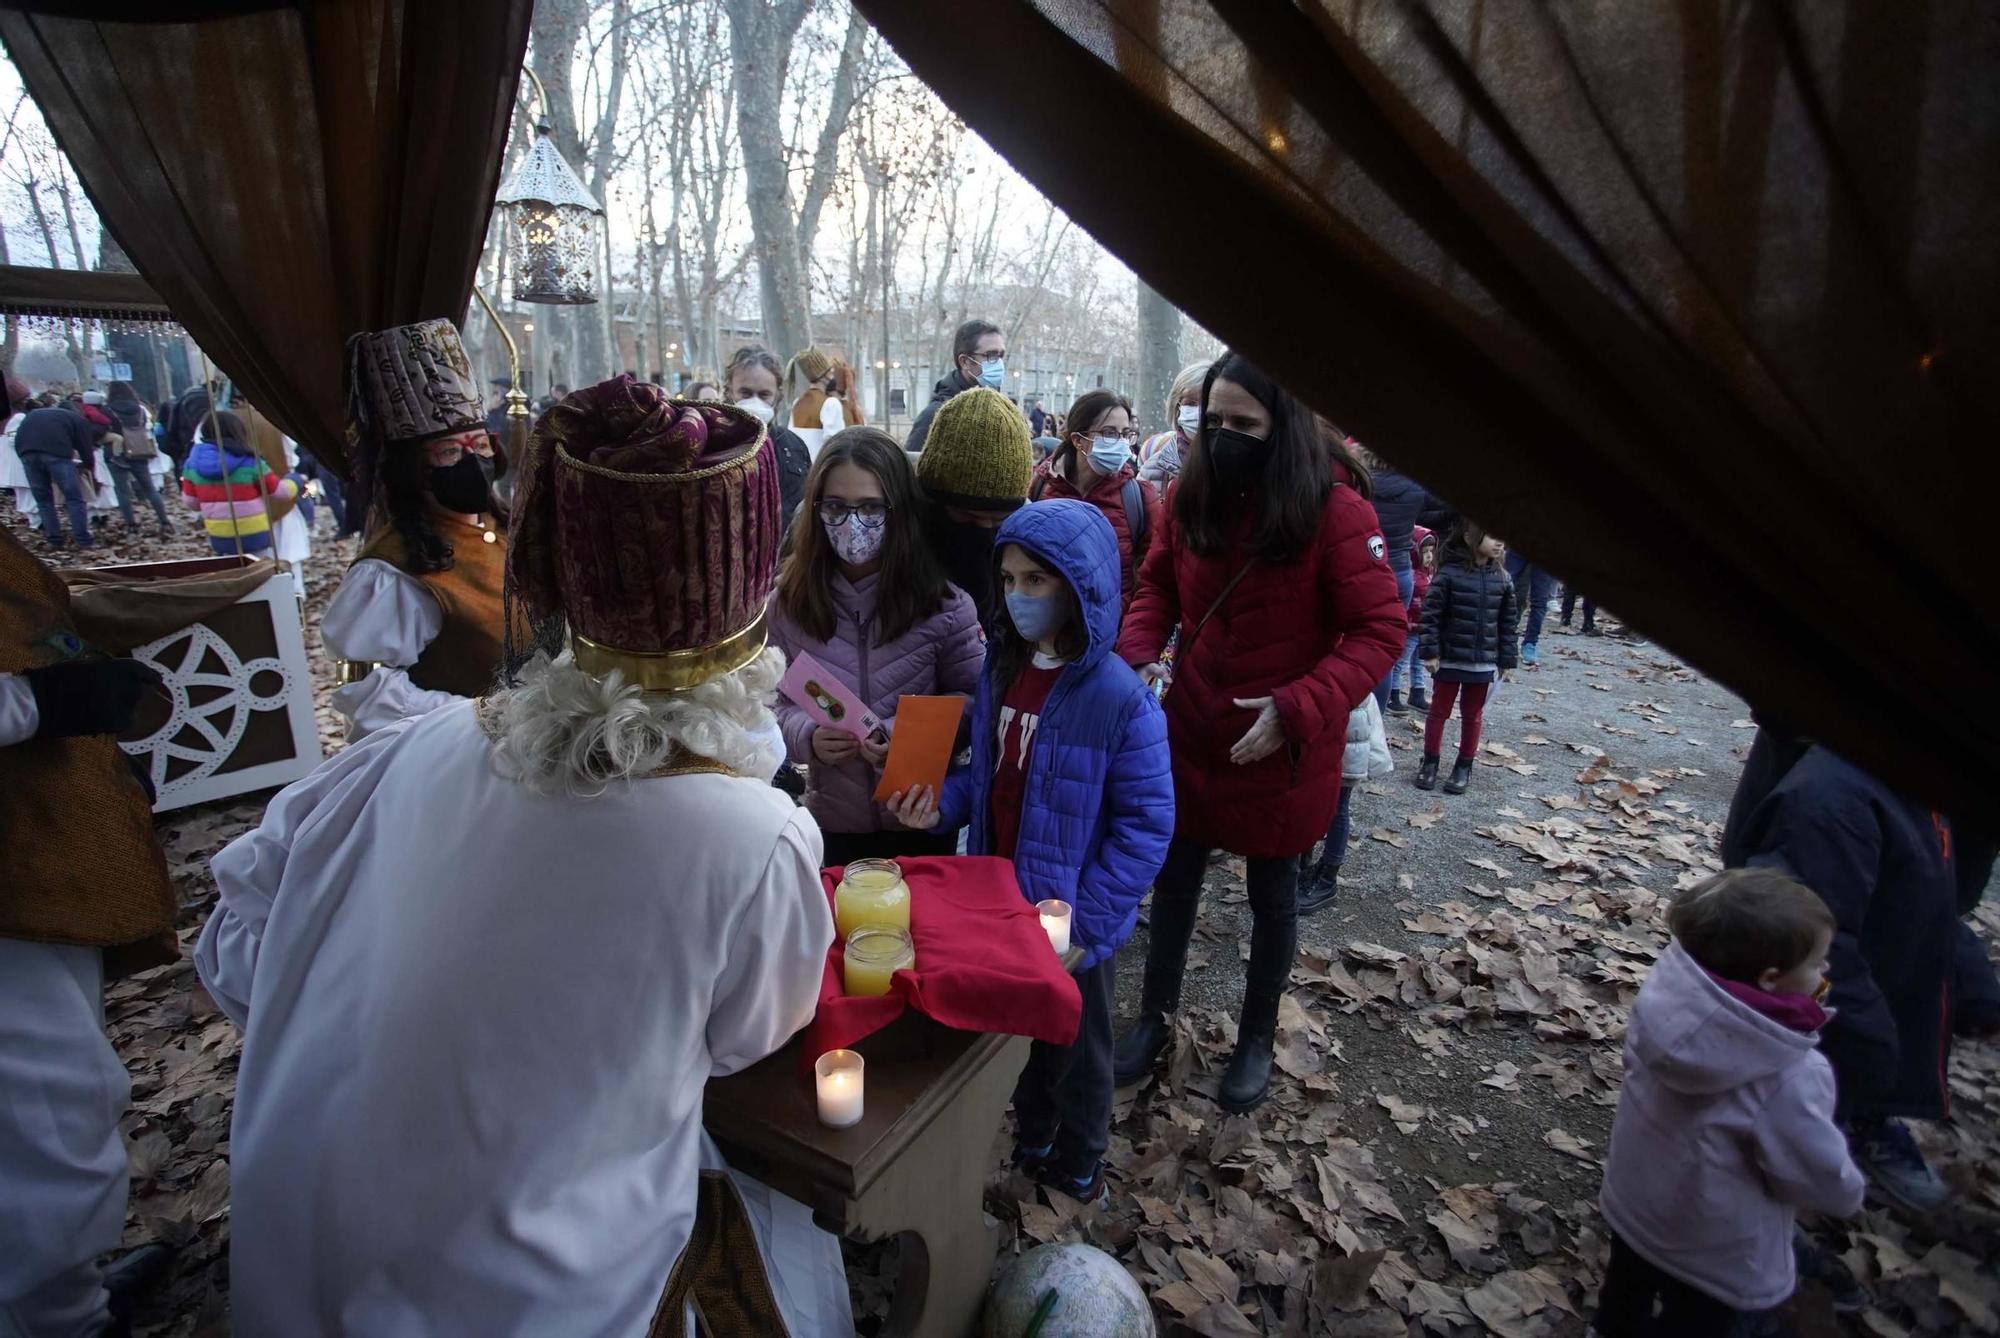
(1094, 463)
(862, 593)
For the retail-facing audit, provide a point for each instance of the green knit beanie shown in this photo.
(977, 454)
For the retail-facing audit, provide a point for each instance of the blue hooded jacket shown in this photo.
(1097, 810)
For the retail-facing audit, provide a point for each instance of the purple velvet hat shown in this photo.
(651, 526)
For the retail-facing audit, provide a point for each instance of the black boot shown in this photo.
(1419, 700)
(1461, 776)
(1396, 706)
(1133, 1057)
(133, 1274)
(1247, 1080)
(1318, 887)
(1427, 774)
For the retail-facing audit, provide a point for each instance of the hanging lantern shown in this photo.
(555, 221)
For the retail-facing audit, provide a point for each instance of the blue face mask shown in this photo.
(1035, 616)
(1108, 455)
(993, 373)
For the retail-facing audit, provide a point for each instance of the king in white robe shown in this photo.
(478, 1021)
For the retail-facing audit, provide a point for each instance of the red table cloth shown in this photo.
(983, 962)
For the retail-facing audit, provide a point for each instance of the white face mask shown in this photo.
(1189, 421)
(1108, 455)
(759, 409)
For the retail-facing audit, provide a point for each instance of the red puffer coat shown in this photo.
(1317, 633)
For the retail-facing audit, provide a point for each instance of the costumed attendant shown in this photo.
(816, 411)
(604, 823)
(1070, 779)
(975, 472)
(417, 622)
(1272, 567)
(1468, 646)
(86, 898)
(861, 592)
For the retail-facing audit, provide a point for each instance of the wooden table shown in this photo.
(914, 1168)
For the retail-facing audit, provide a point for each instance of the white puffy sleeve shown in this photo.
(385, 616)
(251, 871)
(19, 716)
(832, 417)
(776, 954)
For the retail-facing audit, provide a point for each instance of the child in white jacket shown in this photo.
(1725, 1121)
(1366, 758)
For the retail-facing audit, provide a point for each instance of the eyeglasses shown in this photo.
(1123, 434)
(872, 513)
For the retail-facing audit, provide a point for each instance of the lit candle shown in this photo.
(1055, 923)
(837, 1074)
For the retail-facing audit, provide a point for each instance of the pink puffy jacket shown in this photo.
(939, 655)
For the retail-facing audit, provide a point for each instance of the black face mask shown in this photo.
(461, 487)
(1237, 457)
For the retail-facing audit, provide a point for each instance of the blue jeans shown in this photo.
(129, 476)
(1406, 586)
(1410, 666)
(1335, 853)
(1533, 595)
(44, 470)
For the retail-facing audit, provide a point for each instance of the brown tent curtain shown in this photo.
(1693, 300)
(285, 178)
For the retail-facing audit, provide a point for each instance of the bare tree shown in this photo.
(1159, 355)
(761, 37)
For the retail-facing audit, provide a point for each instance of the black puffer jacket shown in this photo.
(1399, 500)
(951, 383)
(794, 463)
(1469, 614)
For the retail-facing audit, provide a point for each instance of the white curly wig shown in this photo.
(563, 731)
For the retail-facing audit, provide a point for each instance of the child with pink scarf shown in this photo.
(1725, 1123)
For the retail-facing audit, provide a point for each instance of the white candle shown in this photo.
(1055, 923)
(837, 1074)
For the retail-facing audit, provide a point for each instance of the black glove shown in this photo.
(82, 697)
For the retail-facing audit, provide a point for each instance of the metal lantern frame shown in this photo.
(554, 222)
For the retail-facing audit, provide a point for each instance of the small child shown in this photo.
(1070, 779)
(1410, 669)
(1468, 643)
(227, 481)
(1366, 758)
(1725, 1121)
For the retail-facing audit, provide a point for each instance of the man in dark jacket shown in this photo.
(52, 442)
(1884, 864)
(979, 358)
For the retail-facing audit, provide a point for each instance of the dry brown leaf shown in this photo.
(1424, 821)
(1211, 1277)
(1569, 1144)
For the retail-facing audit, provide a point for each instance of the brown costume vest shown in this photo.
(465, 657)
(82, 864)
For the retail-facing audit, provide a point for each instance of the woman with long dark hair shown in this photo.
(1274, 569)
(862, 593)
(1094, 464)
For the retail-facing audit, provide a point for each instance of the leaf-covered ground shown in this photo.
(1429, 1161)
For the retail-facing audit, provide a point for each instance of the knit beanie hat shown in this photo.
(977, 454)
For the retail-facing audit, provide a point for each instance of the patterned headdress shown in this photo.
(649, 526)
(411, 382)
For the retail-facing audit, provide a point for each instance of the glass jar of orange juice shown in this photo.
(871, 893)
(874, 955)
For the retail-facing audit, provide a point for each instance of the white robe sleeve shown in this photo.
(776, 955)
(832, 417)
(250, 870)
(19, 717)
(384, 616)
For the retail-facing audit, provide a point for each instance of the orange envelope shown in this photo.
(920, 749)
